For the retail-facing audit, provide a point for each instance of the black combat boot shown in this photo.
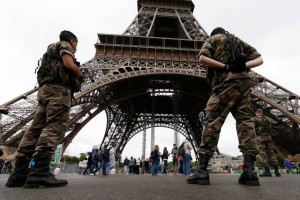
(41, 176)
(266, 173)
(202, 177)
(249, 176)
(277, 173)
(18, 177)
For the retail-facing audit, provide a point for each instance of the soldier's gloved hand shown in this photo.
(236, 68)
(239, 65)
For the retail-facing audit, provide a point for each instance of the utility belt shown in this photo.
(55, 83)
(74, 83)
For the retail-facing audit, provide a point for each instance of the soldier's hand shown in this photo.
(236, 68)
(81, 74)
(241, 60)
(239, 64)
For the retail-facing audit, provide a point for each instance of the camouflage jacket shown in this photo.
(262, 126)
(52, 69)
(225, 48)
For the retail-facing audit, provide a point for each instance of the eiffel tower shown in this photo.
(150, 76)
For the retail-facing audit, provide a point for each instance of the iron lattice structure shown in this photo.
(150, 76)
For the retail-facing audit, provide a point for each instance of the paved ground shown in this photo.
(170, 187)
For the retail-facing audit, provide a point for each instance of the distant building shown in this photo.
(220, 162)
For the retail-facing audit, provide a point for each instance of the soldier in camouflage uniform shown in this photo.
(51, 118)
(264, 143)
(228, 60)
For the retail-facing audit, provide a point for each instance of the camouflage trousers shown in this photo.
(265, 150)
(49, 123)
(233, 97)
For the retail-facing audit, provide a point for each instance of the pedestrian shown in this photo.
(137, 166)
(174, 153)
(155, 156)
(142, 166)
(56, 77)
(89, 167)
(264, 143)
(186, 165)
(84, 164)
(228, 60)
(104, 161)
(131, 165)
(297, 164)
(7, 167)
(1, 165)
(95, 158)
(288, 165)
(230, 167)
(80, 166)
(164, 158)
(180, 168)
(146, 166)
(125, 164)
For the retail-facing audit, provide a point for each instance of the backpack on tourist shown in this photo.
(181, 150)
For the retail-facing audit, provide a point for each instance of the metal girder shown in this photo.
(94, 93)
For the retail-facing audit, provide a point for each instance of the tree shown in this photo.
(70, 159)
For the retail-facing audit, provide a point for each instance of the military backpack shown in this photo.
(51, 70)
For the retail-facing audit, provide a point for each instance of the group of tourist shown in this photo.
(95, 162)
(135, 166)
(5, 167)
(157, 163)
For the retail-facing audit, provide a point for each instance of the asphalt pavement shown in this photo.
(167, 187)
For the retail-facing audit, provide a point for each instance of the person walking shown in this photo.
(125, 164)
(288, 165)
(80, 166)
(155, 156)
(89, 167)
(56, 76)
(164, 157)
(1, 165)
(228, 60)
(264, 143)
(297, 165)
(104, 161)
(146, 166)
(131, 165)
(137, 166)
(230, 167)
(174, 153)
(95, 159)
(186, 165)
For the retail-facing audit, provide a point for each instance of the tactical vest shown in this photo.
(230, 49)
(52, 70)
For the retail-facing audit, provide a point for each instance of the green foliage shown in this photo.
(82, 156)
(70, 159)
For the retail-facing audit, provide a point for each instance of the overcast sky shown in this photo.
(28, 27)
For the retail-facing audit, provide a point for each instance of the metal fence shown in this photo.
(68, 168)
